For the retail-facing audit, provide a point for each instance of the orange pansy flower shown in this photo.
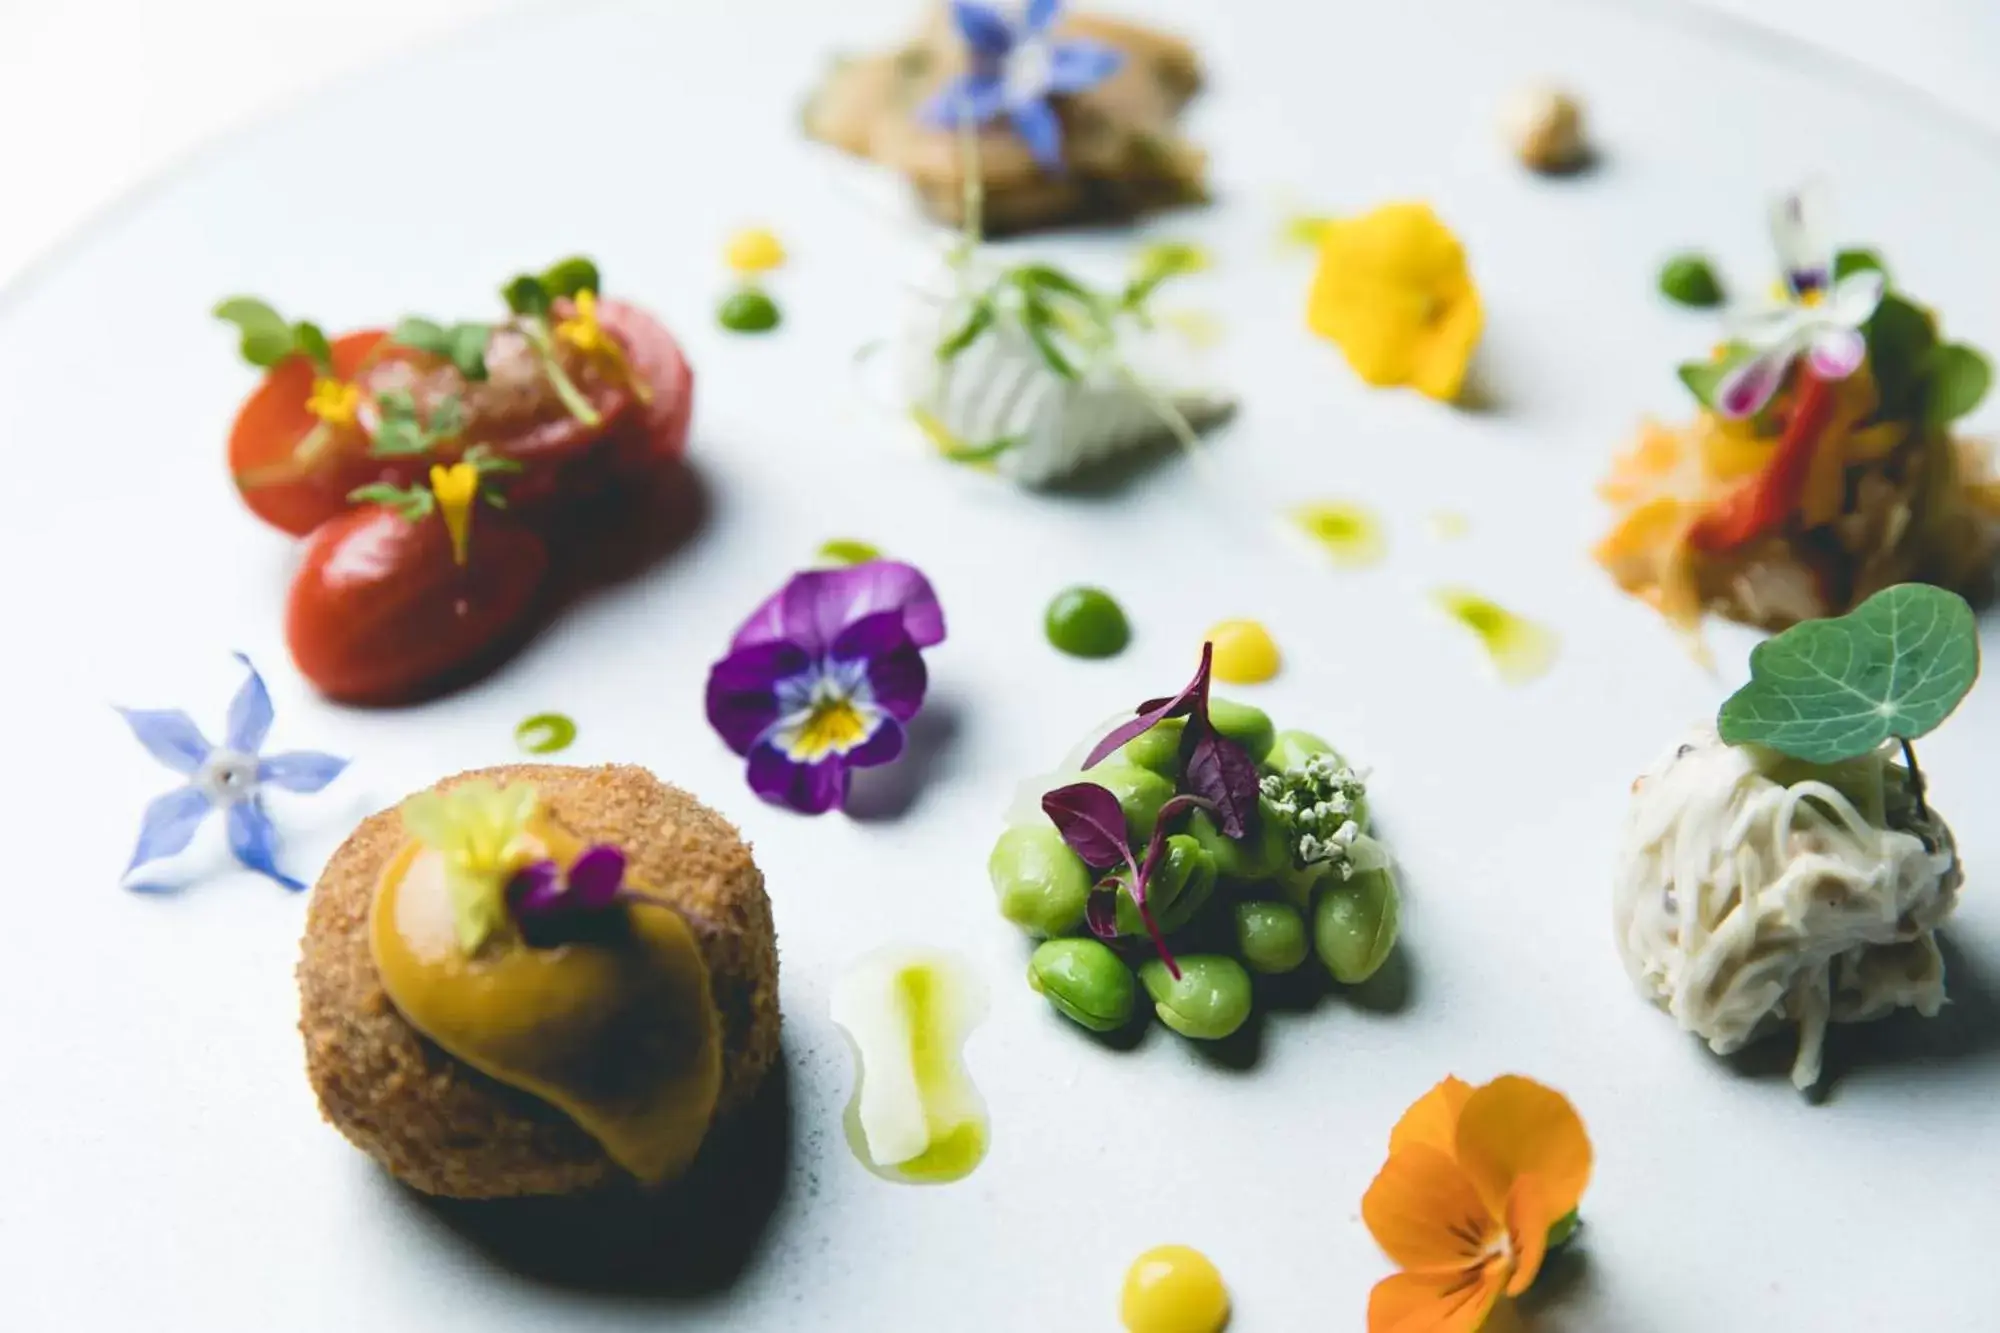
(1475, 1179)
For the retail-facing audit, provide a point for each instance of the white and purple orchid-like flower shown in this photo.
(1820, 319)
(1016, 67)
(822, 678)
(229, 777)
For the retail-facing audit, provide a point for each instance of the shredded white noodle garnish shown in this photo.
(1755, 891)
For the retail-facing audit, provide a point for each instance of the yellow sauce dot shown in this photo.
(1173, 1289)
(754, 250)
(1346, 531)
(1521, 650)
(1245, 653)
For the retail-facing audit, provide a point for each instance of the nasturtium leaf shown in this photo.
(1956, 378)
(267, 338)
(311, 339)
(567, 277)
(1828, 690)
(1900, 338)
(1857, 261)
(525, 295)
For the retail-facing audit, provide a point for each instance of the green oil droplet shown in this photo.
(748, 310)
(545, 733)
(1520, 649)
(1346, 531)
(846, 551)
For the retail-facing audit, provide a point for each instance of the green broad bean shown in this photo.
(1140, 794)
(1291, 749)
(1157, 749)
(1181, 884)
(1086, 983)
(1354, 925)
(1258, 856)
(1271, 936)
(1086, 622)
(1249, 727)
(1296, 883)
(1209, 1001)
(1041, 884)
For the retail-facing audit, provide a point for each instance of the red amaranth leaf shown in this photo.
(1091, 823)
(1221, 772)
(1193, 699)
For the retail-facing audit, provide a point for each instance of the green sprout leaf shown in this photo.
(267, 337)
(400, 433)
(1828, 690)
(1159, 262)
(485, 461)
(1900, 338)
(1858, 261)
(976, 324)
(1704, 378)
(413, 503)
(423, 335)
(1956, 380)
(1037, 321)
(468, 349)
(567, 277)
(525, 295)
(309, 338)
(1690, 281)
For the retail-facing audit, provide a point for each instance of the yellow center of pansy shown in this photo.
(754, 250)
(1394, 293)
(336, 402)
(834, 726)
(456, 487)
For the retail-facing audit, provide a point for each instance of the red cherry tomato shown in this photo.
(296, 491)
(656, 358)
(380, 613)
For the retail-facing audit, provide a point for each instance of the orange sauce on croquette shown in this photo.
(617, 1029)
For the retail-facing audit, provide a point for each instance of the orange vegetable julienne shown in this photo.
(1475, 1179)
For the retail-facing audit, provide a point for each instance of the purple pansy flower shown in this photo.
(1819, 319)
(230, 777)
(1016, 67)
(822, 677)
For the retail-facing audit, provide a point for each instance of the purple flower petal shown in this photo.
(883, 746)
(1836, 353)
(255, 842)
(1037, 124)
(595, 877)
(898, 680)
(536, 890)
(250, 713)
(1091, 823)
(1040, 16)
(815, 606)
(984, 28)
(1744, 390)
(169, 825)
(969, 98)
(1155, 711)
(1080, 65)
(169, 735)
(871, 636)
(300, 770)
(810, 789)
(742, 690)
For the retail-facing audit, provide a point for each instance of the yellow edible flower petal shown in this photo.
(754, 250)
(583, 332)
(336, 402)
(456, 487)
(1394, 293)
(480, 829)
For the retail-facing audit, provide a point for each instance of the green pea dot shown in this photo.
(1688, 280)
(545, 733)
(748, 311)
(1086, 622)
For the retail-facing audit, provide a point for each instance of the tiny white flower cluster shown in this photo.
(1318, 803)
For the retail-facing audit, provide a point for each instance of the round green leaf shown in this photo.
(1958, 378)
(567, 277)
(1828, 690)
(267, 338)
(1688, 280)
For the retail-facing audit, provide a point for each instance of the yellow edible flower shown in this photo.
(336, 402)
(1394, 293)
(456, 487)
(583, 332)
(754, 250)
(480, 829)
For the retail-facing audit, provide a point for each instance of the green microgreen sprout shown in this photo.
(463, 344)
(418, 502)
(1830, 690)
(268, 338)
(400, 434)
(532, 297)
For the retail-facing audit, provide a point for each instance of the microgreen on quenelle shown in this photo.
(400, 434)
(417, 503)
(1093, 826)
(269, 338)
(463, 344)
(1213, 767)
(1829, 690)
(532, 298)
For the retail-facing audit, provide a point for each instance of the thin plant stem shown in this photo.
(1916, 776)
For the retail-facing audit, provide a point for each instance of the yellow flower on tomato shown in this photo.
(1393, 292)
(583, 332)
(336, 402)
(456, 487)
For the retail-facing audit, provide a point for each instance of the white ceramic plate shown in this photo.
(163, 1157)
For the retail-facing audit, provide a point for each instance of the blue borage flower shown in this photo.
(1016, 67)
(822, 677)
(230, 777)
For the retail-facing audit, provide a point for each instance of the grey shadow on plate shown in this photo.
(878, 795)
(681, 1245)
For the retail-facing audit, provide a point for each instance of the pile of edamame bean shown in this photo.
(1229, 907)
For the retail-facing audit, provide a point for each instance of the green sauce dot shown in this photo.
(545, 733)
(1688, 280)
(748, 311)
(1086, 622)
(847, 551)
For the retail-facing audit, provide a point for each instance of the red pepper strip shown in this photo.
(1767, 499)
